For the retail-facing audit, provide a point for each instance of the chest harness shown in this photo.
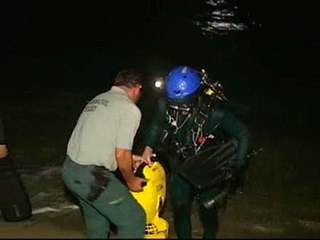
(188, 130)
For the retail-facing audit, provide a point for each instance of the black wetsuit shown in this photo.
(183, 133)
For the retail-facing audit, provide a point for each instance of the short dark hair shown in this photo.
(129, 78)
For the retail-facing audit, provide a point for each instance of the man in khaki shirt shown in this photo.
(101, 143)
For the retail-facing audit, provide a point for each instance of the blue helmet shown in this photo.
(183, 82)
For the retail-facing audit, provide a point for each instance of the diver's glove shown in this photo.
(238, 177)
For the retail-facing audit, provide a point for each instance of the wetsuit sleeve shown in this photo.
(152, 133)
(234, 128)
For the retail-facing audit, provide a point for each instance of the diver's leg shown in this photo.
(209, 219)
(181, 198)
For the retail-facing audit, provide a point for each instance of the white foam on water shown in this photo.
(51, 209)
(46, 189)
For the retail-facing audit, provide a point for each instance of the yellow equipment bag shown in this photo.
(152, 199)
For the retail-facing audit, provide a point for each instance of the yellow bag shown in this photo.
(152, 200)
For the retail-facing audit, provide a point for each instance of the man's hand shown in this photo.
(137, 184)
(137, 160)
(125, 161)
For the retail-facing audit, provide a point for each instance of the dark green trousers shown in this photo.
(115, 205)
(182, 196)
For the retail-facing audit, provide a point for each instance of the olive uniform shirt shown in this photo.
(109, 121)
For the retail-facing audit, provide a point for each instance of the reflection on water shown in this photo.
(221, 18)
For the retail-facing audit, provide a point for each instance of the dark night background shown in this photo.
(52, 45)
(78, 46)
(55, 55)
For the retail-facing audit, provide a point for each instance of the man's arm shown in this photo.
(125, 165)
